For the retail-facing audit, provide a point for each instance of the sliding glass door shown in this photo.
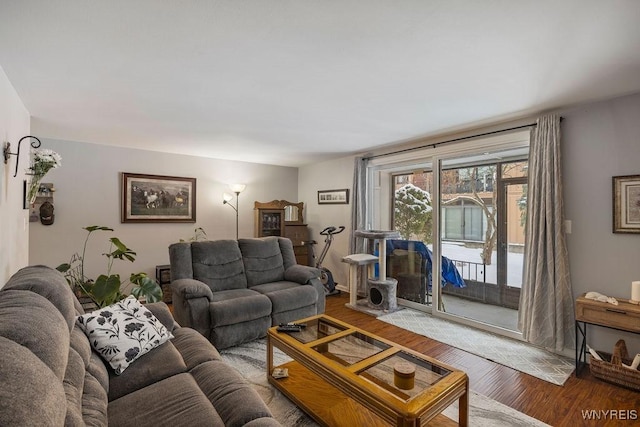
(461, 220)
(482, 205)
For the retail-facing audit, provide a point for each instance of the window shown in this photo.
(412, 205)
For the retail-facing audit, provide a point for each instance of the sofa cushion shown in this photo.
(24, 378)
(238, 333)
(286, 296)
(288, 255)
(174, 401)
(123, 332)
(94, 394)
(52, 285)
(229, 391)
(86, 383)
(193, 347)
(218, 264)
(237, 306)
(32, 321)
(263, 261)
(34, 349)
(163, 362)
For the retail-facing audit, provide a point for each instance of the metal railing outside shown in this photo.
(471, 270)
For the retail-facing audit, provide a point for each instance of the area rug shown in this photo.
(250, 360)
(515, 354)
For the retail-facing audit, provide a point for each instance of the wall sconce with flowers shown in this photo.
(42, 161)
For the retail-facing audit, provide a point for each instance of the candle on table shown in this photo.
(635, 291)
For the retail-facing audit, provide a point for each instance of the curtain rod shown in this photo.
(435, 144)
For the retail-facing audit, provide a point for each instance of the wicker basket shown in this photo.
(610, 368)
(166, 294)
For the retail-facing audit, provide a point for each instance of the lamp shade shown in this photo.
(238, 188)
(227, 197)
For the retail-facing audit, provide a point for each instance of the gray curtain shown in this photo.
(359, 208)
(546, 315)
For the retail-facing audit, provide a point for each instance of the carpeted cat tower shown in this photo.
(381, 290)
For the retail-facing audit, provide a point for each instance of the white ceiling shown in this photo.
(294, 82)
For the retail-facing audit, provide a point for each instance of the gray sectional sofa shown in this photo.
(233, 291)
(50, 375)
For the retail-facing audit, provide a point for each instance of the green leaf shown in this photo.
(106, 289)
(118, 244)
(121, 251)
(63, 268)
(145, 286)
(93, 228)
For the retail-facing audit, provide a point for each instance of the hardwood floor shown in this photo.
(552, 404)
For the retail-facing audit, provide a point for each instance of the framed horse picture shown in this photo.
(158, 198)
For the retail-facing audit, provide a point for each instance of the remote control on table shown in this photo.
(298, 325)
(288, 328)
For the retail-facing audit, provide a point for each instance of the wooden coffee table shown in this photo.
(344, 376)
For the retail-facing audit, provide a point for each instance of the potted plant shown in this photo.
(106, 289)
(42, 162)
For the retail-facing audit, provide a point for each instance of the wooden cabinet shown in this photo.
(299, 236)
(284, 218)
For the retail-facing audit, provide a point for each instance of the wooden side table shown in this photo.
(623, 317)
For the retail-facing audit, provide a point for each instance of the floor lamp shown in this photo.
(236, 188)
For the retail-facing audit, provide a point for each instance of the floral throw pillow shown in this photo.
(123, 332)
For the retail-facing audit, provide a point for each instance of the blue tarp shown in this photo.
(450, 273)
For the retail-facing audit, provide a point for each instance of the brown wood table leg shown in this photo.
(463, 407)
(269, 356)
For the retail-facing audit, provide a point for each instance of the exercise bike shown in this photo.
(326, 277)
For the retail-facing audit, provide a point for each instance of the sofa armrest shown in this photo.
(301, 274)
(191, 288)
(322, 294)
(306, 275)
(191, 300)
(162, 312)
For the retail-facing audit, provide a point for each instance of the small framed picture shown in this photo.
(333, 197)
(157, 198)
(626, 204)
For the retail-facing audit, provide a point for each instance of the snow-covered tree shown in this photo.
(412, 213)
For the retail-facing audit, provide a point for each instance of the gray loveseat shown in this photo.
(233, 291)
(50, 376)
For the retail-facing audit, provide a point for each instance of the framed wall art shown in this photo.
(157, 198)
(333, 197)
(626, 204)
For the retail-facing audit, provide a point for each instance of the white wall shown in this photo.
(601, 140)
(14, 235)
(88, 193)
(328, 175)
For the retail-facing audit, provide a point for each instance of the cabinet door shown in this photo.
(270, 222)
